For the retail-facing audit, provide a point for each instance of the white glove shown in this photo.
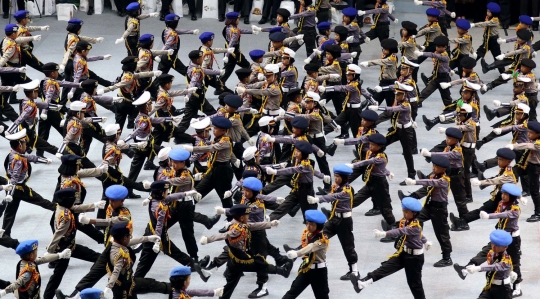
(364, 64)
(8, 198)
(269, 138)
(354, 54)
(108, 294)
(378, 234)
(43, 116)
(452, 73)
(100, 91)
(236, 163)
(306, 61)
(70, 95)
(317, 51)
(377, 88)
(103, 119)
(226, 59)
(45, 28)
(321, 88)
(198, 176)
(100, 204)
(186, 99)
(196, 31)
(158, 73)
(256, 32)
(145, 202)
(37, 37)
(119, 41)
(58, 155)
(320, 153)
(16, 87)
(57, 108)
(227, 194)
(442, 118)
(299, 37)
(154, 14)
(367, 40)
(484, 215)
(445, 85)
(204, 240)
(118, 99)
(500, 57)
(410, 182)
(312, 199)
(327, 179)
(283, 164)
(280, 64)
(505, 76)
(240, 90)
(523, 201)
(441, 130)
(107, 56)
(83, 219)
(415, 124)
(61, 68)
(291, 254)
(2, 232)
(337, 129)
(191, 192)
(422, 48)
(497, 103)
(417, 2)
(65, 254)
(1, 129)
(497, 131)
(156, 248)
(452, 15)
(7, 187)
(177, 118)
(280, 200)
(322, 102)
(373, 107)
(99, 40)
(510, 146)
(473, 269)
(361, 13)
(274, 223)
(533, 54)
(253, 27)
(154, 238)
(146, 184)
(22, 69)
(484, 87)
(428, 245)
(338, 141)
(157, 59)
(270, 170)
(473, 25)
(391, 176)
(218, 292)
(513, 276)
(424, 152)
(219, 210)
(396, 21)
(349, 39)
(49, 161)
(188, 147)
(501, 40)
(335, 76)
(418, 53)
(474, 55)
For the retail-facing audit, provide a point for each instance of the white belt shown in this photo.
(516, 233)
(271, 112)
(468, 145)
(412, 100)
(353, 105)
(413, 251)
(316, 135)
(188, 198)
(141, 139)
(343, 215)
(501, 282)
(203, 163)
(285, 89)
(318, 266)
(405, 126)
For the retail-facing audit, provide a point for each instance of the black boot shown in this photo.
(263, 20)
(421, 175)
(479, 144)
(387, 227)
(149, 165)
(459, 269)
(246, 21)
(294, 210)
(195, 267)
(444, 262)
(400, 194)
(343, 136)
(212, 221)
(259, 292)
(489, 87)
(485, 66)
(481, 166)
(424, 79)
(430, 123)
(372, 91)
(193, 16)
(204, 262)
(355, 281)
(285, 270)
(273, 22)
(373, 212)
(132, 195)
(221, 18)
(281, 260)
(331, 149)
(90, 11)
(326, 212)
(210, 266)
(534, 218)
(490, 114)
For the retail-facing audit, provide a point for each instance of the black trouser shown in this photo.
(12, 79)
(215, 82)
(5, 107)
(377, 188)
(320, 142)
(3, 283)
(387, 95)
(125, 110)
(149, 152)
(489, 207)
(238, 151)
(278, 182)
(434, 85)
(115, 177)
(335, 97)
(38, 143)
(497, 292)
(457, 186)
(171, 61)
(381, 31)
(219, 178)
(29, 59)
(148, 84)
(79, 252)
(235, 58)
(323, 15)
(183, 212)
(53, 120)
(455, 62)
(429, 48)
(349, 117)
(270, 8)
(533, 173)
(533, 103)
(514, 250)
(468, 159)
(132, 45)
(317, 278)
(413, 271)
(343, 228)
(148, 256)
(21, 4)
(310, 38)
(244, 7)
(298, 196)
(406, 138)
(90, 132)
(491, 45)
(196, 103)
(236, 270)
(23, 193)
(437, 212)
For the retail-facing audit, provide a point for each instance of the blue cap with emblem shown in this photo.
(232, 15)
(440, 161)
(206, 37)
(304, 147)
(253, 184)
(342, 169)
(221, 122)
(275, 29)
(506, 153)
(146, 38)
(494, 7)
(256, 54)
(277, 36)
(324, 25)
(349, 12)
(26, 247)
(179, 154)
(11, 28)
(369, 115)
(327, 43)
(411, 204)
(116, 192)
(75, 21)
(239, 210)
(133, 6)
(21, 14)
(525, 19)
(91, 293)
(160, 185)
(315, 216)
(233, 100)
(454, 133)
(119, 230)
(433, 12)
(511, 189)
(463, 24)
(180, 271)
(500, 237)
(534, 126)
(299, 122)
(172, 17)
(377, 139)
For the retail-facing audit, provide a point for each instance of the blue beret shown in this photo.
(377, 139)
(506, 153)
(239, 210)
(233, 100)
(463, 24)
(277, 36)
(411, 204)
(342, 169)
(275, 29)
(179, 154)
(440, 161)
(91, 293)
(21, 14)
(256, 54)
(250, 174)
(511, 189)
(180, 271)
(69, 158)
(232, 15)
(534, 125)
(500, 237)
(494, 7)
(10, 28)
(324, 25)
(433, 12)
(119, 230)
(116, 192)
(454, 133)
(133, 6)
(349, 12)
(252, 183)
(26, 247)
(369, 115)
(206, 37)
(315, 216)
(299, 122)
(75, 21)
(327, 43)
(172, 17)
(525, 19)
(160, 185)
(221, 122)
(146, 38)
(65, 193)
(304, 146)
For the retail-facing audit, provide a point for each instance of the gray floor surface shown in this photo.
(33, 222)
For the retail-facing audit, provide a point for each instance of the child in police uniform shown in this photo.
(410, 251)
(180, 279)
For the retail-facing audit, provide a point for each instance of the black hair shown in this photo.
(164, 163)
(230, 22)
(27, 92)
(129, 67)
(513, 198)
(320, 226)
(134, 13)
(265, 129)
(304, 156)
(146, 45)
(156, 194)
(171, 24)
(291, 59)
(73, 28)
(111, 138)
(177, 282)
(344, 179)
(14, 144)
(26, 256)
(237, 217)
(250, 162)
(118, 237)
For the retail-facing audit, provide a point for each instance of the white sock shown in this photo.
(464, 272)
(363, 284)
(518, 288)
(354, 268)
